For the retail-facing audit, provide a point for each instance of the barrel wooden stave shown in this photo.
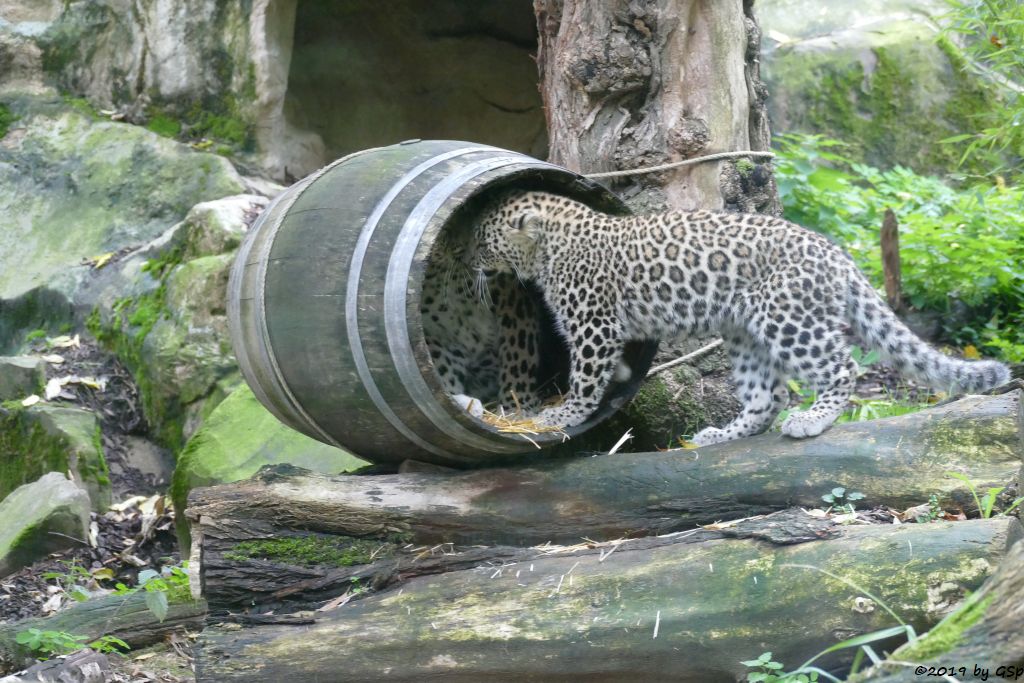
(370, 387)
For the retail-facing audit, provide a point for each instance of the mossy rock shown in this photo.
(53, 438)
(238, 438)
(39, 518)
(81, 188)
(891, 89)
(21, 376)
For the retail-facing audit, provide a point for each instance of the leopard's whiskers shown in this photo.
(480, 289)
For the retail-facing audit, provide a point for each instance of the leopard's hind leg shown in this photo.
(759, 386)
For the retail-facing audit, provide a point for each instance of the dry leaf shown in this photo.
(30, 400)
(971, 352)
(54, 358)
(53, 388)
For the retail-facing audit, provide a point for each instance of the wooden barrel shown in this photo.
(324, 301)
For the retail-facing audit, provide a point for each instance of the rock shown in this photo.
(222, 73)
(171, 328)
(238, 438)
(84, 666)
(82, 189)
(874, 74)
(34, 514)
(76, 433)
(218, 226)
(198, 67)
(21, 376)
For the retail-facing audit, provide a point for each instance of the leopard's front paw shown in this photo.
(471, 405)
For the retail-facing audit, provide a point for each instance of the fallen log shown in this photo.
(984, 640)
(896, 462)
(123, 616)
(681, 611)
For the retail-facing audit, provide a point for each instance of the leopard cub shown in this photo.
(782, 297)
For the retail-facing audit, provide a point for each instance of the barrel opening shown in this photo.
(446, 278)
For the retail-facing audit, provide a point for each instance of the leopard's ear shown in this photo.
(531, 225)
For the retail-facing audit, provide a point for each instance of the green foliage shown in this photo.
(992, 33)
(52, 643)
(934, 511)
(6, 119)
(313, 550)
(35, 334)
(161, 588)
(71, 581)
(165, 126)
(962, 249)
(767, 670)
(839, 499)
(986, 504)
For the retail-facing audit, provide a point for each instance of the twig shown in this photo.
(676, 164)
(682, 359)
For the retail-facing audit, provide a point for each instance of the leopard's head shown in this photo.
(506, 237)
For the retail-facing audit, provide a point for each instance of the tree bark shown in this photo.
(896, 462)
(689, 612)
(890, 242)
(630, 84)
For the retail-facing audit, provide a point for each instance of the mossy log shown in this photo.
(896, 462)
(681, 611)
(984, 640)
(123, 616)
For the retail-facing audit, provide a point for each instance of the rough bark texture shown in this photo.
(897, 462)
(634, 83)
(890, 240)
(125, 617)
(685, 612)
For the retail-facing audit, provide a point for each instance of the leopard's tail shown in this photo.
(877, 327)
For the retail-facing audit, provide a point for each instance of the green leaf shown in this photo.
(838, 492)
(157, 604)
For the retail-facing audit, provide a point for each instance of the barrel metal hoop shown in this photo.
(352, 298)
(262, 263)
(395, 302)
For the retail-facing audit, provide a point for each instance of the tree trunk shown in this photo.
(630, 84)
(896, 462)
(685, 612)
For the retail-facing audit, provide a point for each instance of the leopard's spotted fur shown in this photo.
(781, 296)
(483, 351)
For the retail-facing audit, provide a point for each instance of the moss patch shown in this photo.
(947, 633)
(6, 119)
(337, 551)
(891, 97)
(238, 438)
(27, 451)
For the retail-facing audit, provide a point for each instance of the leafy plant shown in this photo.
(51, 643)
(839, 499)
(935, 511)
(770, 671)
(159, 587)
(70, 581)
(992, 35)
(986, 504)
(962, 248)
